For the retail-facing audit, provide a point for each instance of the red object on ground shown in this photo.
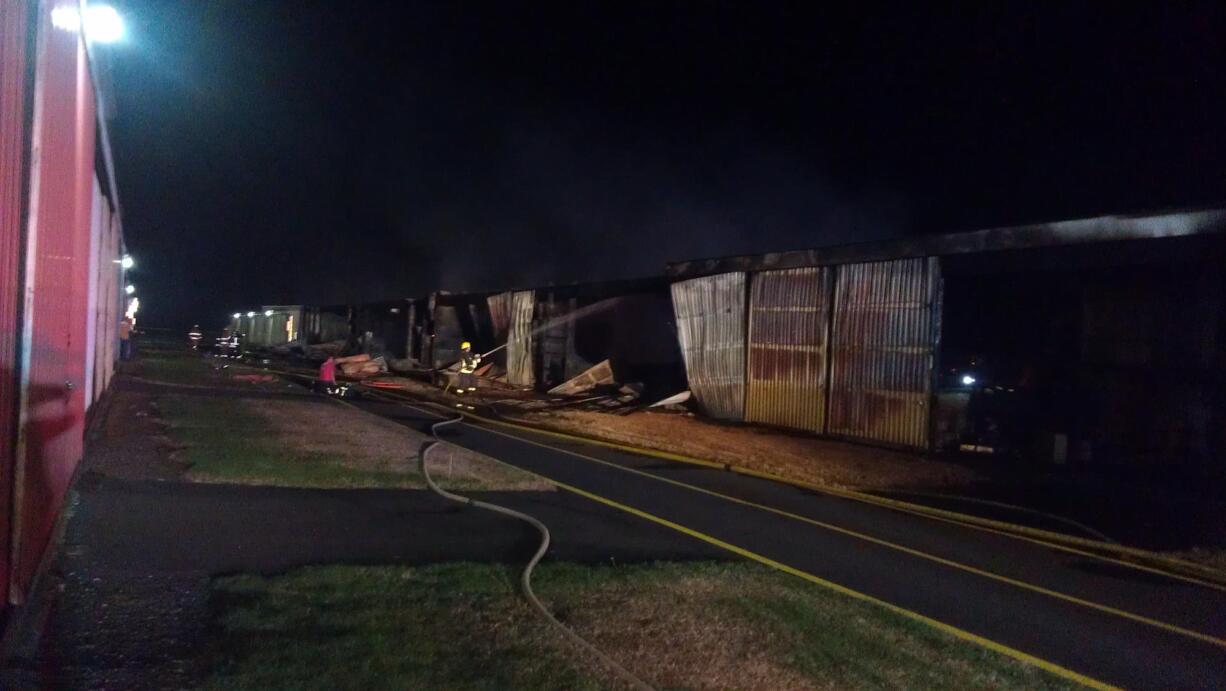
(383, 384)
(327, 371)
(255, 378)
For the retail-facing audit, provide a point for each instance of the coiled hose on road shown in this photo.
(525, 580)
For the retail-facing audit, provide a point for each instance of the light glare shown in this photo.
(66, 18)
(130, 289)
(967, 380)
(127, 262)
(102, 23)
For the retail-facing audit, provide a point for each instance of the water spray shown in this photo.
(573, 315)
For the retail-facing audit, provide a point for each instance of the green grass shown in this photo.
(463, 626)
(224, 443)
(443, 627)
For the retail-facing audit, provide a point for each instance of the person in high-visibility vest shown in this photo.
(194, 336)
(468, 364)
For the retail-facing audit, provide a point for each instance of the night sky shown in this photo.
(305, 152)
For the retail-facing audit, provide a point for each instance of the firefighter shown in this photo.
(468, 365)
(194, 336)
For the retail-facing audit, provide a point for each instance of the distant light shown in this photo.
(127, 262)
(267, 313)
(251, 314)
(102, 23)
(238, 315)
(129, 289)
(967, 380)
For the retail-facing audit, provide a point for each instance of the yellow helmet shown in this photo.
(465, 345)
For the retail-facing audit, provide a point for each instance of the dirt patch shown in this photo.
(792, 456)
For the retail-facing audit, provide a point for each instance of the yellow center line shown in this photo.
(902, 507)
(1171, 628)
(994, 646)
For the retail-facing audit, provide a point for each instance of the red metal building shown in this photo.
(60, 274)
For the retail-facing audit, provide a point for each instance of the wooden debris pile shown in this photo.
(361, 366)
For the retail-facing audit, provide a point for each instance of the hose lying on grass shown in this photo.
(526, 578)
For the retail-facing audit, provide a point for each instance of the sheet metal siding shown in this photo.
(57, 272)
(500, 314)
(710, 314)
(91, 290)
(882, 351)
(14, 21)
(789, 316)
(519, 339)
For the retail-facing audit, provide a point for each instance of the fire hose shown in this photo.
(526, 577)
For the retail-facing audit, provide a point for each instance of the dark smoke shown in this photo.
(286, 152)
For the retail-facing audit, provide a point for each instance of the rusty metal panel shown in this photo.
(789, 314)
(519, 339)
(882, 345)
(500, 314)
(710, 315)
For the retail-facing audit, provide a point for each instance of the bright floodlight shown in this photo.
(66, 18)
(251, 314)
(967, 380)
(267, 313)
(238, 315)
(129, 289)
(127, 262)
(102, 23)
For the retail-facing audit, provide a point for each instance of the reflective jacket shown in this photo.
(468, 362)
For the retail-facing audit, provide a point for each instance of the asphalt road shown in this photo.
(1088, 618)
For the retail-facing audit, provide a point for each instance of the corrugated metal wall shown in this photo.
(789, 314)
(271, 330)
(519, 339)
(882, 344)
(710, 315)
(500, 314)
(13, 83)
(62, 159)
(256, 329)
